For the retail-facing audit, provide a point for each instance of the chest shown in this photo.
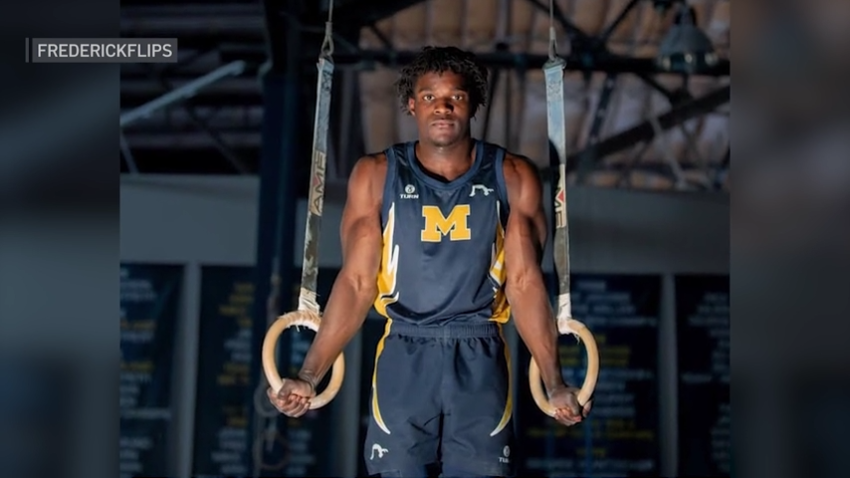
(457, 214)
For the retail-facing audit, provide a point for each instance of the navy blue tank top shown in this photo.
(443, 242)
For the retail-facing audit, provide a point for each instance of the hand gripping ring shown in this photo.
(311, 320)
(576, 328)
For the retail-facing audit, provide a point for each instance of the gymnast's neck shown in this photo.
(447, 161)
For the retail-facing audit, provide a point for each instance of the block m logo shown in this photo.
(455, 225)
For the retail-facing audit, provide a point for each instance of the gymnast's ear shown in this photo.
(411, 106)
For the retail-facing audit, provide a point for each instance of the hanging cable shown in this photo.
(307, 296)
(328, 42)
(553, 41)
(553, 72)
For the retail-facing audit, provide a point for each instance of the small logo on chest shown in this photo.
(409, 192)
(480, 187)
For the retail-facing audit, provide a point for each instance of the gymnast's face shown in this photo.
(441, 108)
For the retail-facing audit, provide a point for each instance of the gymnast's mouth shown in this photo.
(443, 124)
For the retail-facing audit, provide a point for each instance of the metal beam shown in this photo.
(364, 12)
(239, 91)
(275, 32)
(644, 131)
(598, 120)
(355, 15)
(579, 60)
(385, 41)
(609, 30)
(181, 141)
(575, 62)
(586, 46)
(179, 94)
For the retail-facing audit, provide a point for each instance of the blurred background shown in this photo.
(215, 161)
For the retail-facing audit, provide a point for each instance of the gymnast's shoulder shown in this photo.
(520, 170)
(369, 172)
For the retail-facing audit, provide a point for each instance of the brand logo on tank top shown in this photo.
(409, 192)
(480, 187)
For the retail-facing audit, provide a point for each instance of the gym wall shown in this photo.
(212, 221)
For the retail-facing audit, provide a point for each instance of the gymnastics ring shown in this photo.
(574, 327)
(311, 320)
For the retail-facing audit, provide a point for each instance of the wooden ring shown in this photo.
(590, 377)
(311, 320)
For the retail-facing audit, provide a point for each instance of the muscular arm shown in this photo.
(525, 239)
(355, 287)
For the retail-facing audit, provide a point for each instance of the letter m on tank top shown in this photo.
(443, 240)
(456, 225)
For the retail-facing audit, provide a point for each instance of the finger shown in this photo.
(283, 405)
(567, 421)
(570, 411)
(296, 400)
(295, 395)
(272, 395)
(280, 406)
(563, 416)
(287, 403)
(301, 409)
(276, 399)
(571, 420)
(290, 409)
(296, 405)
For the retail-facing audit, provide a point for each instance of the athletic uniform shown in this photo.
(441, 383)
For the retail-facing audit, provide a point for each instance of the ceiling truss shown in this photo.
(630, 124)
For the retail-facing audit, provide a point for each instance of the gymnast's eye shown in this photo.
(428, 97)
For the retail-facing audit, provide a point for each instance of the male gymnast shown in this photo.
(444, 237)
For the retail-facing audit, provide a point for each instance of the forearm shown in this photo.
(344, 314)
(537, 329)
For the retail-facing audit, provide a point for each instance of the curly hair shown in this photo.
(437, 60)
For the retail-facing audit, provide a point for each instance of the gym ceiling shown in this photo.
(638, 115)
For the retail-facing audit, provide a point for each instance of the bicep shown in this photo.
(527, 227)
(523, 247)
(525, 237)
(360, 228)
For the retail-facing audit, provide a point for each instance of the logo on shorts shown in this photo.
(379, 449)
(506, 451)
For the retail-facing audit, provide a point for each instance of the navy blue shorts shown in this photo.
(441, 395)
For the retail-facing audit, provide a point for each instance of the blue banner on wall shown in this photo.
(221, 443)
(307, 445)
(297, 447)
(150, 305)
(702, 331)
(620, 437)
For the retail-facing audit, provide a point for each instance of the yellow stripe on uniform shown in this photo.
(501, 310)
(387, 293)
(376, 411)
(509, 403)
(501, 313)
